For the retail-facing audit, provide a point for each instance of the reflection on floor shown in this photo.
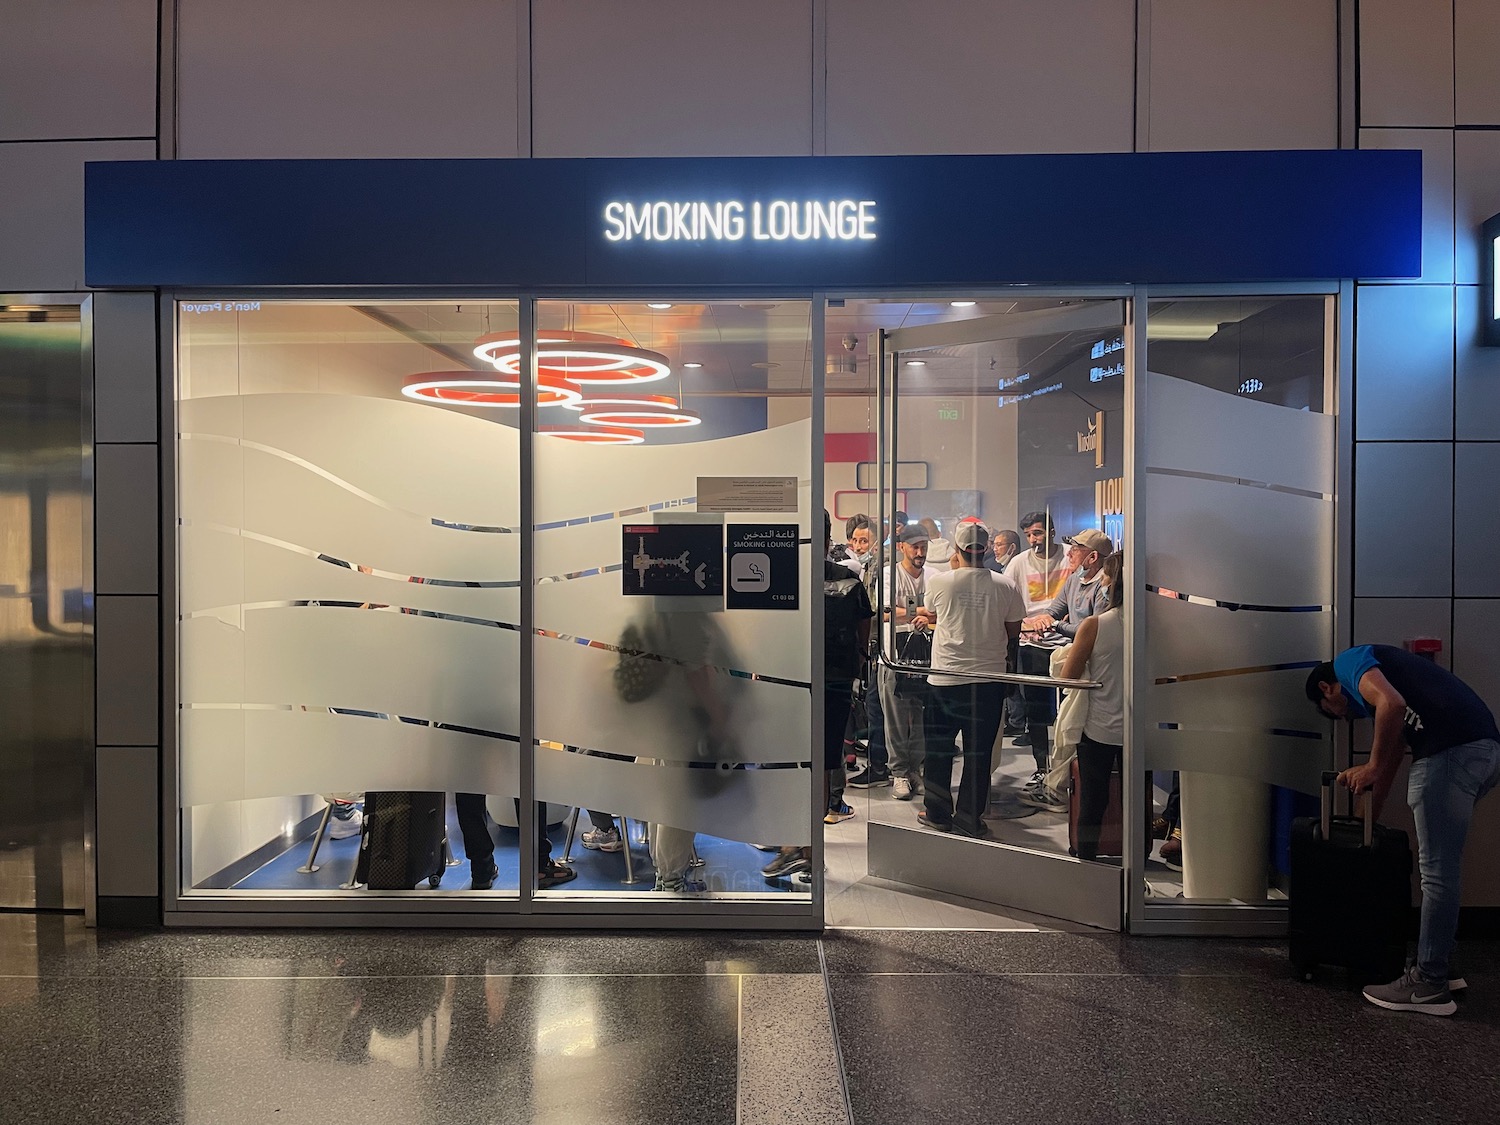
(727, 864)
(436, 1027)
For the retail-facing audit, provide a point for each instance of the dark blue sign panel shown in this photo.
(783, 222)
(764, 565)
(673, 560)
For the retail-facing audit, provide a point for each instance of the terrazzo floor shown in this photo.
(872, 1027)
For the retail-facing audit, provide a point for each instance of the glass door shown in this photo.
(1001, 449)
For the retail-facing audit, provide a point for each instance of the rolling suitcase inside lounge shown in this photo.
(1350, 894)
(1110, 832)
(402, 841)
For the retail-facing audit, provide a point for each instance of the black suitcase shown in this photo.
(1350, 894)
(402, 841)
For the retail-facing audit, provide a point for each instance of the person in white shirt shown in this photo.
(976, 615)
(1039, 574)
(1098, 653)
(904, 739)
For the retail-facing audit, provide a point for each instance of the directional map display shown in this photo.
(673, 560)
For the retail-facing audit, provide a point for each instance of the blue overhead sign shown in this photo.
(736, 222)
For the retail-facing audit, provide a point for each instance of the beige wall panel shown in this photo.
(1403, 519)
(961, 76)
(128, 802)
(1406, 62)
(671, 78)
(1225, 74)
(41, 220)
(1403, 379)
(1476, 36)
(126, 519)
(1437, 193)
(126, 651)
(125, 349)
(1476, 188)
(347, 78)
(85, 68)
(1394, 621)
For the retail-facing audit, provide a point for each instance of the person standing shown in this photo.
(901, 706)
(1455, 762)
(975, 615)
(1098, 653)
(1038, 573)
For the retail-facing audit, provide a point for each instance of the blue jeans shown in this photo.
(1442, 790)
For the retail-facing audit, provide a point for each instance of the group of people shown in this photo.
(955, 613)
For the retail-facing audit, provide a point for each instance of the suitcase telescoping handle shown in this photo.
(1326, 817)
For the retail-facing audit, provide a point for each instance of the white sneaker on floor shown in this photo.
(1043, 798)
(603, 839)
(343, 829)
(902, 789)
(1038, 781)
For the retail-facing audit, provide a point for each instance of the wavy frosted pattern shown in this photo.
(1266, 443)
(270, 482)
(1235, 542)
(269, 753)
(766, 722)
(734, 804)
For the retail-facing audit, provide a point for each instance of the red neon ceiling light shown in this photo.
(585, 358)
(469, 388)
(596, 435)
(634, 410)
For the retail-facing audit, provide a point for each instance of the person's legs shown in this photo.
(940, 728)
(981, 724)
(479, 845)
(903, 728)
(837, 701)
(1015, 708)
(1041, 702)
(877, 767)
(1096, 761)
(671, 852)
(1442, 790)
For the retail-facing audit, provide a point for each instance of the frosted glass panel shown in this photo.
(349, 591)
(1238, 526)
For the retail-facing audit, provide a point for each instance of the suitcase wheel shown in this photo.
(435, 879)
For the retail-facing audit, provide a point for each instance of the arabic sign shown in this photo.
(763, 566)
(747, 494)
(673, 560)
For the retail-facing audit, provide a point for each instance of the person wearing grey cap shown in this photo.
(976, 615)
(1082, 596)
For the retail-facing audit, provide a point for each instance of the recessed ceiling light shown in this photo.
(961, 304)
(657, 305)
(766, 364)
(916, 363)
(692, 366)
(758, 306)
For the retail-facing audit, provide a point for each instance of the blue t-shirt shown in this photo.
(1441, 710)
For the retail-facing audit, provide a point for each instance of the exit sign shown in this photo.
(950, 410)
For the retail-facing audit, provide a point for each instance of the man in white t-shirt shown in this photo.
(1039, 574)
(975, 614)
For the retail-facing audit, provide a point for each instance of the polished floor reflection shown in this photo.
(875, 1026)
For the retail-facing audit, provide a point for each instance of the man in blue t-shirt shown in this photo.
(1455, 751)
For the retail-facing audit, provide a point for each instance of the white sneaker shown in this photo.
(603, 840)
(343, 829)
(902, 789)
(1038, 781)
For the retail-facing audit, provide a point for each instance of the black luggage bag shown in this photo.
(1350, 894)
(402, 841)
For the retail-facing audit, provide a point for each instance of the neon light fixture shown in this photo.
(634, 411)
(596, 435)
(468, 388)
(578, 357)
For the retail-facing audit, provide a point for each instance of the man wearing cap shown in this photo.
(976, 615)
(903, 710)
(1083, 595)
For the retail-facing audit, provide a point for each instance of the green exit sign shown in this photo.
(950, 410)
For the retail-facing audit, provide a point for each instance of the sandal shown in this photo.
(554, 875)
(935, 825)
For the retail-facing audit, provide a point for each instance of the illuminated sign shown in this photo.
(1491, 254)
(1251, 386)
(732, 220)
(1105, 347)
(1091, 440)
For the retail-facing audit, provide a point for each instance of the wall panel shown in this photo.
(84, 69)
(1437, 193)
(41, 222)
(1403, 519)
(970, 76)
(671, 78)
(1476, 39)
(1226, 74)
(1405, 358)
(1406, 62)
(1476, 189)
(346, 78)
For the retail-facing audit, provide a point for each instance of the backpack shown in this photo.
(845, 608)
(640, 670)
